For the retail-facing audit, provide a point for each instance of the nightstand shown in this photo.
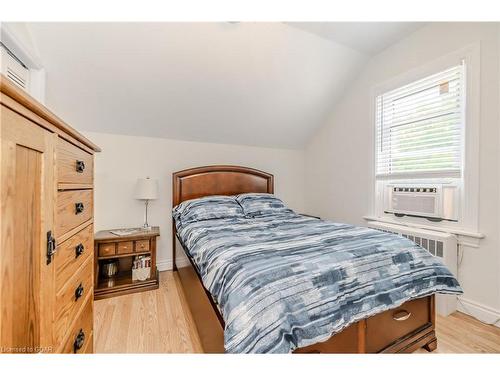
(122, 250)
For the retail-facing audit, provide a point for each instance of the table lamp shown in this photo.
(146, 189)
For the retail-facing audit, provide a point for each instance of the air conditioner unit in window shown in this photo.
(439, 244)
(13, 69)
(435, 202)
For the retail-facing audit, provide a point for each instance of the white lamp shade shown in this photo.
(146, 188)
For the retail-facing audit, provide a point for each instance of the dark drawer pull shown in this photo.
(80, 339)
(79, 207)
(78, 292)
(51, 246)
(401, 315)
(79, 250)
(80, 166)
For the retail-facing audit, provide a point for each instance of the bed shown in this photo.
(238, 265)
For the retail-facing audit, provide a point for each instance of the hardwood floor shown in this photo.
(156, 321)
(159, 321)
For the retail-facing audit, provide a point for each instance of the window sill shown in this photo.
(461, 234)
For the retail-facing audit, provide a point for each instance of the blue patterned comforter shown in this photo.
(287, 281)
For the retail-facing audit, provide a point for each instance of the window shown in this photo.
(420, 127)
(426, 122)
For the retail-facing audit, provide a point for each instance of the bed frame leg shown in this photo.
(431, 345)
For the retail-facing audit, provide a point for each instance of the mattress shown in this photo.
(286, 281)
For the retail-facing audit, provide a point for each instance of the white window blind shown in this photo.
(420, 126)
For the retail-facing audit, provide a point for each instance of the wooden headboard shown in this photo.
(219, 180)
(216, 180)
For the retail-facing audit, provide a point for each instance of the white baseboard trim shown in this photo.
(166, 265)
(478, 311)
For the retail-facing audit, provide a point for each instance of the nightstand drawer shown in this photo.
(142, 245)
(74, 207)
(125, 247)
(81, 331)
(107, 249)
(73, 164)
(70, 299)
(71, 254)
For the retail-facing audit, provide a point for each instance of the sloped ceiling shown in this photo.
(265, 84)
(367, 37)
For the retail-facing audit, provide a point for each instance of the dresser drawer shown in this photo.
(73, 164)
(72, 253)
(71, 297)
(125, 247)
(142, 245)
(107, 249)
(384, 328)
(74, 207)
(81, 332)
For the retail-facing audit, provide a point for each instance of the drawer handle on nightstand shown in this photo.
(79, 250)
(80, 339)
(79, 207)
(401, 315)
(78, 292)
(80, 166)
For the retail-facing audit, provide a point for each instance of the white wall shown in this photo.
(125, 158)
(339, 157)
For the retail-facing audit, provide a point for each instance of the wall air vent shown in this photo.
(16, 78)
(13, 68)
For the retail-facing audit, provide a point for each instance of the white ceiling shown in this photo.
(366, 37)
(265, 84)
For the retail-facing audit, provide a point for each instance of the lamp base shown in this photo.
(146, 225)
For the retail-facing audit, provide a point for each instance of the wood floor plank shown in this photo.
(159, 321)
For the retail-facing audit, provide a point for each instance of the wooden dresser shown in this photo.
(46, 229)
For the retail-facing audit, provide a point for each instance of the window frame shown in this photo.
(469, 180)
(428, 173)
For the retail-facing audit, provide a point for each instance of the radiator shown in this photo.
(439, 244)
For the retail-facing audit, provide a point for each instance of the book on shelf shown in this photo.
(141, 268)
